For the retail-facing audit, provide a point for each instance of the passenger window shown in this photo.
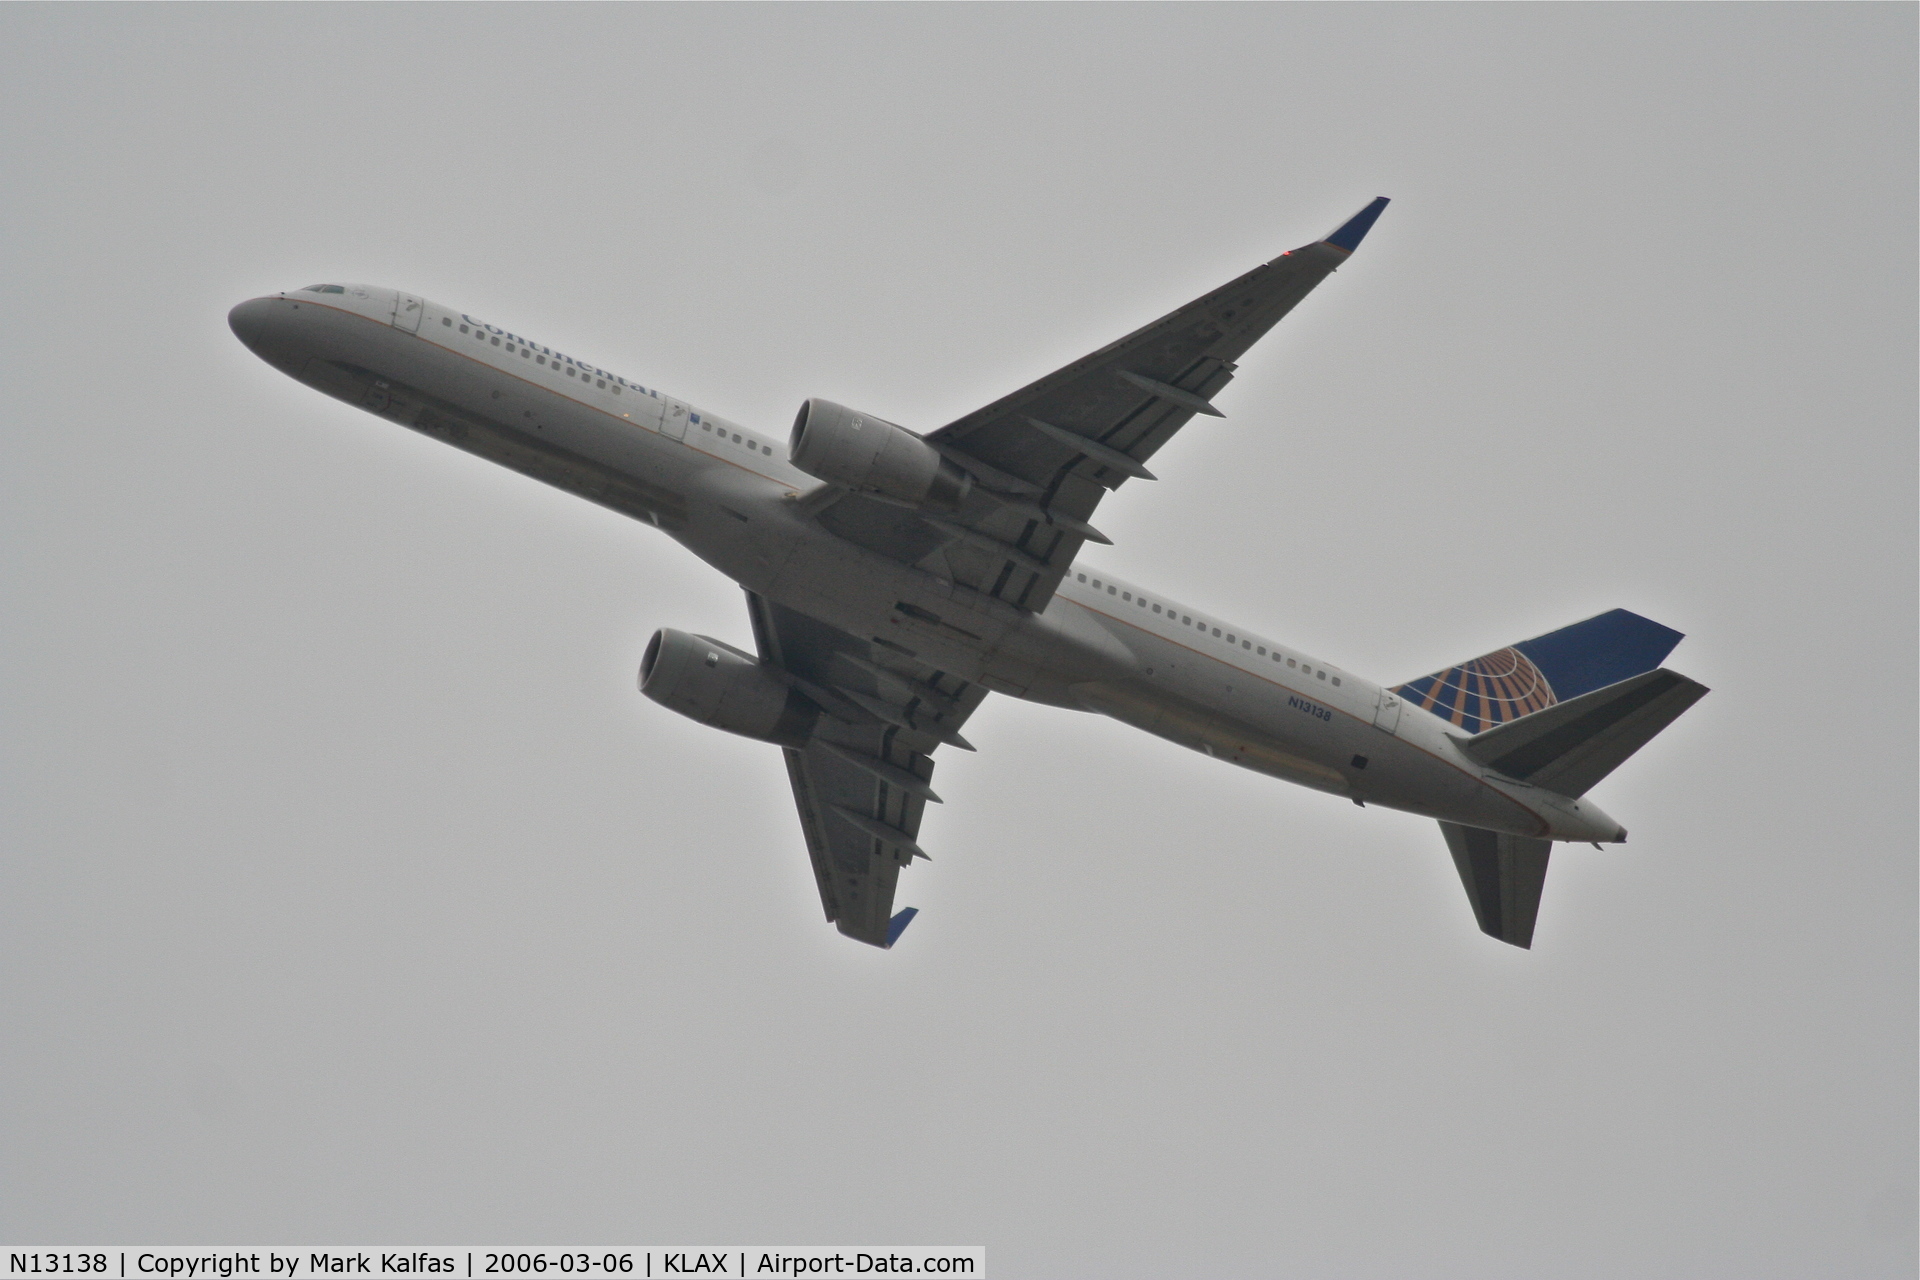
(1263, 651)
(736, 437)
(1292, 663)
(1128, 597)
(1216, 632)
(767, 449)
(539, 359)
(706, 426)
(496, 342)
(1246, 644)
(1082, 577)
(600, 383)
(1096, 584)
(1111, 589)
(1156, 608)
(1321, 675)
(447, 321)
(569, 371)
(1142, 602)
(1186, 620)
(1276, 655)
(1336, 680)
(525, 354)
(1229, 637)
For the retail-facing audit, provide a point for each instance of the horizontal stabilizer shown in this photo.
(1503, 875)
(1570, 746)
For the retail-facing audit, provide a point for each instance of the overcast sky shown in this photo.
(350, 893)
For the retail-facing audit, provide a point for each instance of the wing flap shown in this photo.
(855, 873)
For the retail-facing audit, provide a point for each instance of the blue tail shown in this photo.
(1523, 678)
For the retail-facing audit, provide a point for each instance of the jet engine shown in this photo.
(832, 442)
(717, 685)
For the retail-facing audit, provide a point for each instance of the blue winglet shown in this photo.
(898, 925)
(1349, 236)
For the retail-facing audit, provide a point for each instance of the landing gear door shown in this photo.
(1386, 712)
(406, 312)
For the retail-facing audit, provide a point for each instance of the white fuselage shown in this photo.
(730, 496)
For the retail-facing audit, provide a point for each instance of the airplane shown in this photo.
(895, 578)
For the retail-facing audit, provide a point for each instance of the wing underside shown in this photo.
(860, 782)
(1040, 460)
(1044, 456)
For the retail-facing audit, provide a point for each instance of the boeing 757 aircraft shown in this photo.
(893, 579)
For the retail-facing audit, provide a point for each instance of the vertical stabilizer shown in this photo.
(1524, 678)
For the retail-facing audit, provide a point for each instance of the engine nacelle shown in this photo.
(832, 442)
(717, 685)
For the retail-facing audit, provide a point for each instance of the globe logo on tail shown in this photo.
(1500, 686)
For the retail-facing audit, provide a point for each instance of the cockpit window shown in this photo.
(324, 288)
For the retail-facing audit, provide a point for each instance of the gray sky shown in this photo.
(352, 893)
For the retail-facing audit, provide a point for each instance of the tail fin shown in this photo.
(1570, 746)
(1504, 876)
(1524, 678)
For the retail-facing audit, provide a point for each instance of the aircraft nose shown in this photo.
(249, 322)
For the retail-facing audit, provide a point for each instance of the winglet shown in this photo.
(898, 925)
(1355, 230)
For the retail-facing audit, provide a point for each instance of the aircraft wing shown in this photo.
(1043, 457)
(860, 783)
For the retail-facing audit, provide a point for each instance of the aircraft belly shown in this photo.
(1202, 728)
(736, 520)
(861, 593)
(1245, 719)
(494, 415)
